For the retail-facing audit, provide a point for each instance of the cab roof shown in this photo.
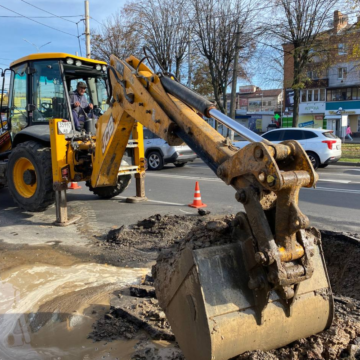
(44, 56)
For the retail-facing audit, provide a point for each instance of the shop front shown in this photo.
(311, 115)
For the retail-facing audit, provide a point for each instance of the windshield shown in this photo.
(48, 94)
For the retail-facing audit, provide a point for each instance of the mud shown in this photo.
(341, 251)
(53, 297)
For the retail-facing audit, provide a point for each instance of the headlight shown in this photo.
(98, 67)
(78, 63)
(104, 67)
(69, 61)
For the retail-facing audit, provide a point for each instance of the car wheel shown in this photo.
(155, 160)
(180, 164)
(314, 158)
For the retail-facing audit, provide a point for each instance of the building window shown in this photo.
(316, 95)
(342, 72)
(309, 95)
(322, 94)
(342, 49)
(310, 74)
(269, 103)
(343, 94)
(303, 96)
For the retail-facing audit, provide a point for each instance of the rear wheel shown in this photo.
(155, 160)
(29, 176)
(107, 192)
(314, 158)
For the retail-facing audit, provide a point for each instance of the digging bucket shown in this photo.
(213, 313)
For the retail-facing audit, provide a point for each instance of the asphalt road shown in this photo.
(333, 205)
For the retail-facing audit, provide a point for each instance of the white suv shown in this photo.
(322, 146)
(158, 152)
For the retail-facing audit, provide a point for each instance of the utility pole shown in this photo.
(234, 80)
(189, 61)
(87, 29)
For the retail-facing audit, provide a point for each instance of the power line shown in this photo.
(95, 20)
(48, 12)
(40, 17)
(38, 22)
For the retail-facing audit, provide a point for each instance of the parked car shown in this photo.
(322, 146)
(158, 152)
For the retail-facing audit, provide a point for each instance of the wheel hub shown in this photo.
(29, 177)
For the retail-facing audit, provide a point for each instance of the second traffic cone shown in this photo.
(74, 186)
(197, 198)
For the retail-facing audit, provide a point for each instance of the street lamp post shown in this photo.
(37, 48)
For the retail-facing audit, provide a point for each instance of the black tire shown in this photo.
(155, 160)
(314, 158)
(180, 164)
(40, 158)
(107, 192)
(322, 166)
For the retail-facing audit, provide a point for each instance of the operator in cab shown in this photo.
(79, 105)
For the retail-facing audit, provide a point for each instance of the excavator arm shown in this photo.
(276, 273)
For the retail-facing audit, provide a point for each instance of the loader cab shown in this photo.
(39, 90)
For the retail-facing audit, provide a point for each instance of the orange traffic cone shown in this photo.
(197, 198)
(74, 186)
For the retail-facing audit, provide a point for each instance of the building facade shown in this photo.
(332, 94)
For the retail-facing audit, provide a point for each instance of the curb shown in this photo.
(343, 163)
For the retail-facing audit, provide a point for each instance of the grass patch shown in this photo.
(350, 152)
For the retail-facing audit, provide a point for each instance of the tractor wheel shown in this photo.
(107, 192)
(29, 176)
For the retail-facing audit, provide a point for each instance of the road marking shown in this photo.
(349, 191)
(186, 177)
(199, 178)
(186, 212)
(337, 181)
(154, 201)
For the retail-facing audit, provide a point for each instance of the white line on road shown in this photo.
(154, 201)
(337, 181)
(186, 177)
(199, 178)
(349, 191)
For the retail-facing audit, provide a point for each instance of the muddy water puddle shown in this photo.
(47, 312)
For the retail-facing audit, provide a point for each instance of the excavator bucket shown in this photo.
(215, 316)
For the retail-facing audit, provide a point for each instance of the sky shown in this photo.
(15, 29)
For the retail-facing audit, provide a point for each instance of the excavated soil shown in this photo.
(166, 235)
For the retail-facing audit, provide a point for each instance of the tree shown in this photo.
(116, 36)
(299, 25)
(215, 24)
(159, 24)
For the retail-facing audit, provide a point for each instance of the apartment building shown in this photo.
(331, 98)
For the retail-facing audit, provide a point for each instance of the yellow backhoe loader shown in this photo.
(39, 96)
(268, 288)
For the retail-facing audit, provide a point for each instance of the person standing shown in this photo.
(349, 133)
(79, 105)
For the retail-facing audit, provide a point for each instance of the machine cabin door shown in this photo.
(18, 115)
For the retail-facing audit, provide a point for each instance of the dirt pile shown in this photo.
(166, 235)
(141, 243)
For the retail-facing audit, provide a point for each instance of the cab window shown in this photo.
(18, 99)
(48, 94)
